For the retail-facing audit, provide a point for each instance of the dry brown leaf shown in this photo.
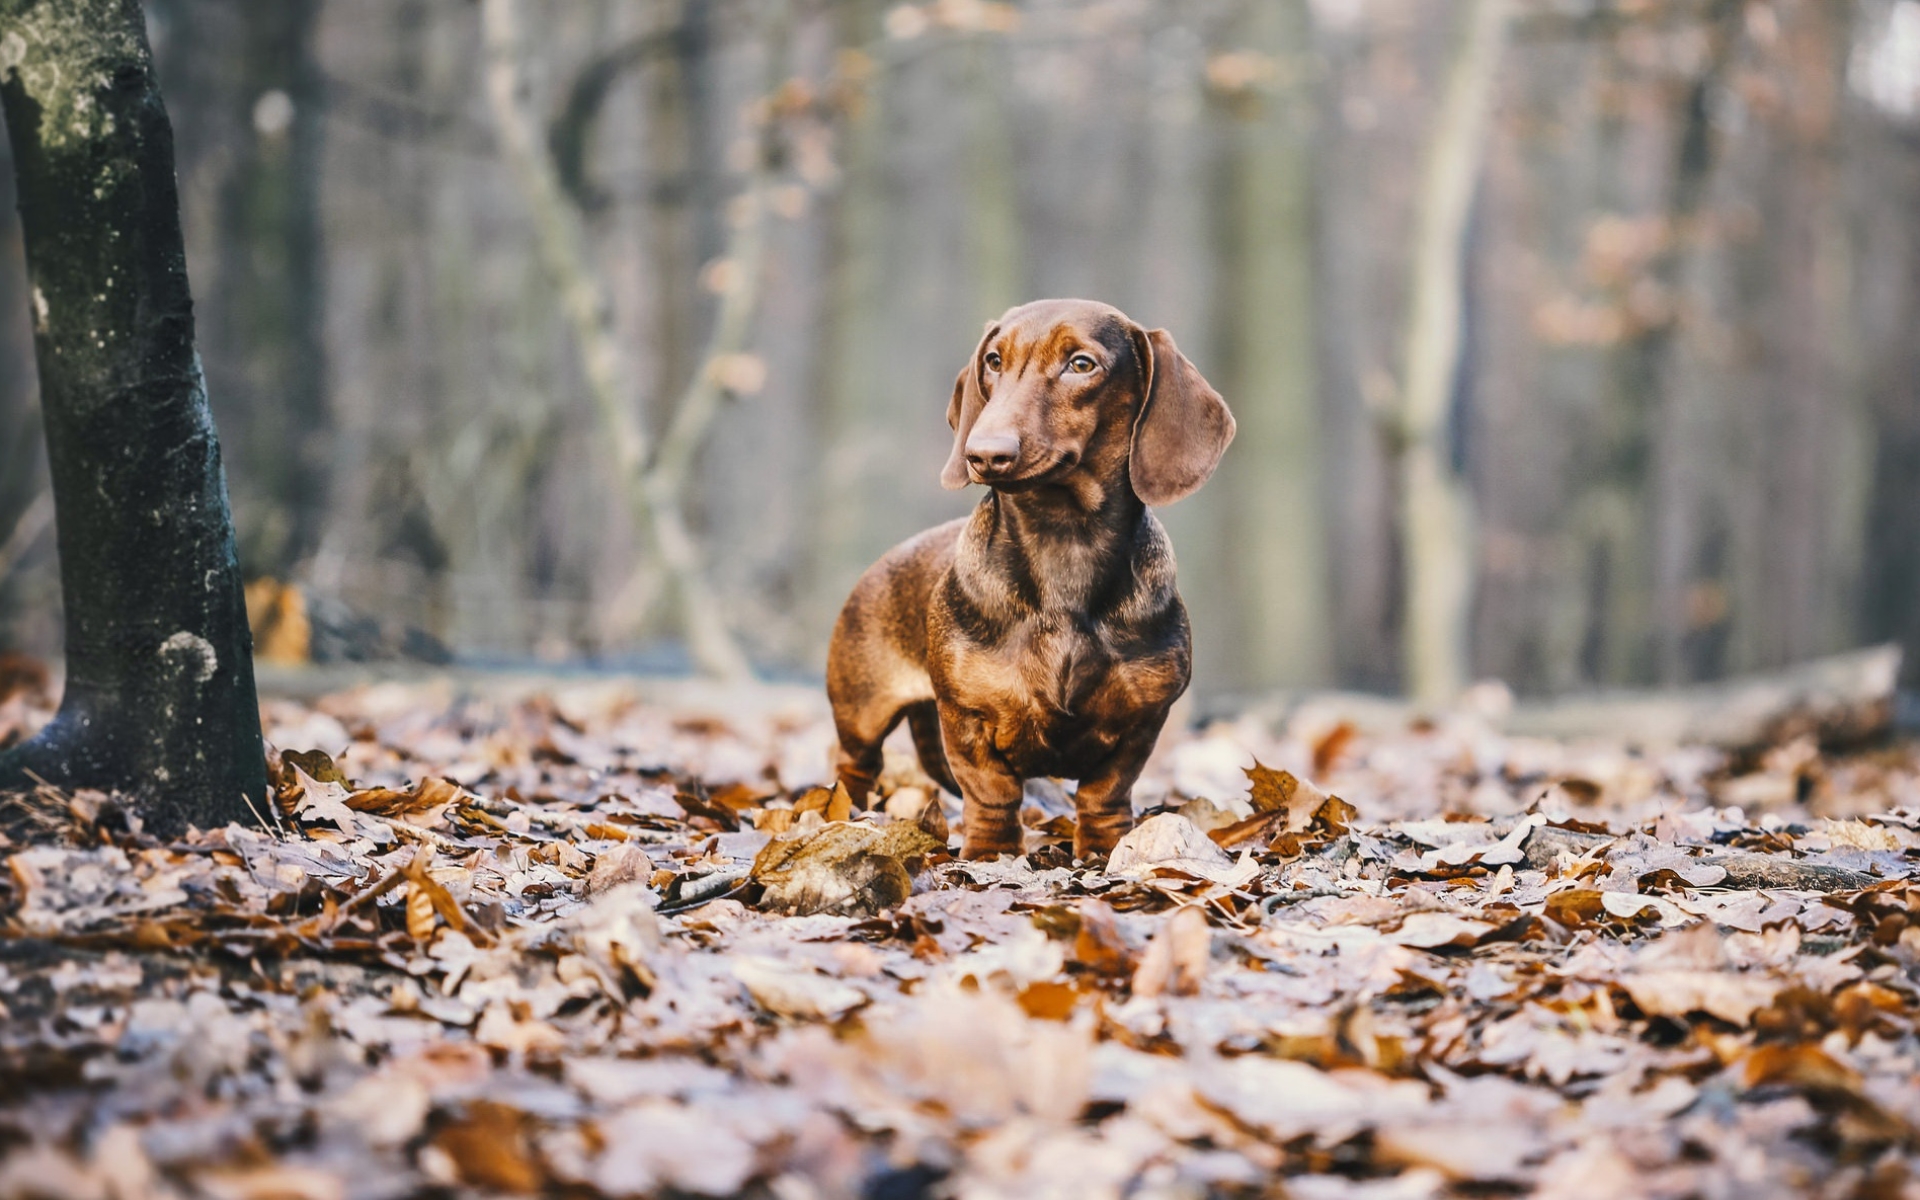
(420, 916)
(1575, 907)
(437, 897)
(1048, 1000)
(1283, 792)
(845, 867)
(833, 804)
(1723, 994)
(318, 765)
(923, 809)
(1229, 832)
(1432, 930)
(1328, 747)
(1169, 840)
(1175, 960)
(1803, 1066)
(1097, 944)
(489, 1146)
(274, 1182)
(317, 800)
(621, 864)
(794, 991)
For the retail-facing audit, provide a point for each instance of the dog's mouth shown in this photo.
(1061, 463)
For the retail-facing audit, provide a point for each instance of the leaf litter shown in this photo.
(577, 943)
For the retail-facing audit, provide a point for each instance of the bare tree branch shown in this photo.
(610, 379)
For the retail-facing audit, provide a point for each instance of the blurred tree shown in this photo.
(159, 699)
(1264, 227)
(853, 398)
(1436, 523)
(268, 272)
(1640, 572)
(654, 472)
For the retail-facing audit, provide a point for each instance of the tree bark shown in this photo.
(159, 698)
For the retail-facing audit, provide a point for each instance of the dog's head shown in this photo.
(1060, 390)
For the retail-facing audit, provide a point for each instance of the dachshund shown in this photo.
(1042, 635)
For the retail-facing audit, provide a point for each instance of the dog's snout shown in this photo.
(992, 453)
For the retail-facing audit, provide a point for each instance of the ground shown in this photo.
(595, 938)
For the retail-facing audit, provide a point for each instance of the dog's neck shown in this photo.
(1059, 548)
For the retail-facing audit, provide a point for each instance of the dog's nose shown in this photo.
(993, 453)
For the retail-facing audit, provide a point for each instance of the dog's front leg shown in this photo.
(1104, 800)
(990, 823)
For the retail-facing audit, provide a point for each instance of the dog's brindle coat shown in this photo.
(1042, 635)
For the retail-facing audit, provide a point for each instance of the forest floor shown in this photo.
(569, 942)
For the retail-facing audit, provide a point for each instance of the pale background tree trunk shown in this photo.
(1436, 523)
(1269, 496)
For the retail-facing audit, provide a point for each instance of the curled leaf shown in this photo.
(843, 867)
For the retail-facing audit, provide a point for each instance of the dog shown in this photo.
(1042, 635)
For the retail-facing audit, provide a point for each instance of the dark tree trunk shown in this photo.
(159, 698)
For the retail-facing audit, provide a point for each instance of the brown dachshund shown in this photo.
(1042, 635)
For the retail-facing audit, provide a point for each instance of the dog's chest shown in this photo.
(1049, 693)
(1065, 660)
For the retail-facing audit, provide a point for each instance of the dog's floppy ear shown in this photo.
(962, 411)
(1183, 427)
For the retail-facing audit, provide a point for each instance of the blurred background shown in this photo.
(1575, 341)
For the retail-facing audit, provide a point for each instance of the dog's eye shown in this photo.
(993, 360)
(1081, 364)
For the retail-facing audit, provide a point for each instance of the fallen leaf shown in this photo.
(317, 800)
(1723, 994)
(1575, 907)
(1097, 943)
(1328, 747)
(489, 1147)
(792, 991)
(658, 1144)
(833, 804)
(1432, 930)
(621, 864)
(420, 915)
(1048, 1000)
(845, 867)
(1283, 792)
(275, 1182)
(1166, 840)
(1175, 960)
(1290, 1099)
(317, 765)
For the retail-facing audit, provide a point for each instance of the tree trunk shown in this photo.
(1270, 487)
(159, 696)
(1436, 523)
